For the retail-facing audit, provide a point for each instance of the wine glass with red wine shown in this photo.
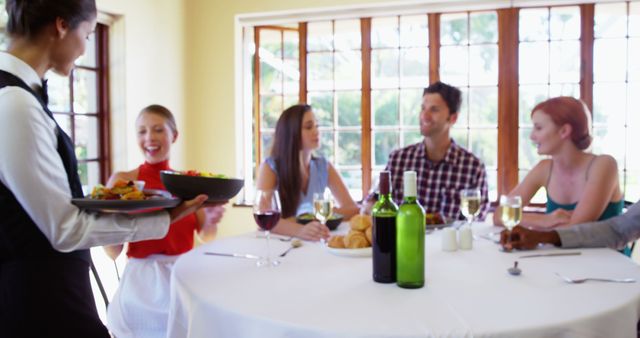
(266, 212)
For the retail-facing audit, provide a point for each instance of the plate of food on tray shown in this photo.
(125, 196)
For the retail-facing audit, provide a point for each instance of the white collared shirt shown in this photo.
(32, 169)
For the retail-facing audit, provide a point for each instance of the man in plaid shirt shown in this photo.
(444, 168)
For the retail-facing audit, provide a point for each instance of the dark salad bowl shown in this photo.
(188, 187)
(332, 223)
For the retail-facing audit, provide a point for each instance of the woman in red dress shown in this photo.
(140, 306)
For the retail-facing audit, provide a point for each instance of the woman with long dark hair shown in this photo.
(298, 174)
(44, 239)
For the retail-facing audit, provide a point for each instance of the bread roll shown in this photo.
(360, 222)
(369, 234)
(336, 242)
(355, 240)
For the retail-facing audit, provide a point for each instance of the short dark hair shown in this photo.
(450, 94)
(28, 17)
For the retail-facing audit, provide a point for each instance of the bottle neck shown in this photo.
(409, 199)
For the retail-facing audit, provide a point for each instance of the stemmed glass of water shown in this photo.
(510, 212)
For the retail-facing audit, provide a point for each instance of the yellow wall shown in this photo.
(209, 99)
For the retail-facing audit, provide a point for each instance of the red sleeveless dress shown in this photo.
(179, 239)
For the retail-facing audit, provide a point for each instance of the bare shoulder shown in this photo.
(605, 162)
(267, 178)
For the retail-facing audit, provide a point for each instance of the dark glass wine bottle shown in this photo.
(410, 237)
(384, 233)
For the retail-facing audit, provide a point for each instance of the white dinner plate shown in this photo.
(363, 252)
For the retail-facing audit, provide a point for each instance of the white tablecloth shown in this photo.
(466, 294)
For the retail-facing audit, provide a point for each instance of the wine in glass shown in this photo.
(470, 204)
(510, 212)
(266, 212)
(322, 206)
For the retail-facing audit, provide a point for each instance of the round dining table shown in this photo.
(316, 293)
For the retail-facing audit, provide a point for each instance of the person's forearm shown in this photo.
(348, 211)
(287, 227)
(534, 220)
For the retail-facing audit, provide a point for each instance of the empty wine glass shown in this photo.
(510, 212)
(266, 212)
(470, 204)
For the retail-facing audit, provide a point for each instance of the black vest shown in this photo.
(43, 292)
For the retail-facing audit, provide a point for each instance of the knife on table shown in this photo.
(574, 253)
(237, 255)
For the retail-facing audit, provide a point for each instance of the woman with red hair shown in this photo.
(580, 186)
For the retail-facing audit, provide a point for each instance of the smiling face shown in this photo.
(155, 137)
(70, 45)
(435, 117)
(546, 135)
(310, 134)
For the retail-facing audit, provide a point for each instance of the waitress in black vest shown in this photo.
(44, 261)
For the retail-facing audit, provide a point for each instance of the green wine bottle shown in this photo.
(384, 233)
(410, 237)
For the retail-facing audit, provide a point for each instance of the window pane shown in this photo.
(320, 71)
(484, 101)
(271, 43)
(415, 67)
(410, 102)
(484, 65)
(632, 188)
(633, 118)
(348, 106)
(270, 76)
(88, 59)
(64, 121)
(564, 89)
(527, 152)
(319, 36)
(349, 148)
(530, 96)
(347, 35)
(85, 91)
(353, 180)
(59, 94)
(609, 60)
(384, 142)
(565, 23)
(89, 173)
(461, 137)
(463, 114)
(348, 70)
(610, 20)
(484, 27)
(385, 107)
(326, 145)
(454, 29)
(411, 137)
(534, 62)
(270, 108)
(265, 146)
(563, 65)
(322, 103)
(414, 31)
(291, 42)
(609, 104)
(385, 32)
(290, 100)
(534, 24)
(492, 178)
(384, 68)
(87, 136)
(634, 19)
(484, 144)
(291, 74)
(610, 140)
(454, 65)
(634, 65)
(633, 162)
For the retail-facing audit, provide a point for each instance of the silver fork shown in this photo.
(582, 280)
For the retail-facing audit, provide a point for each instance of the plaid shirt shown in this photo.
(439, 184)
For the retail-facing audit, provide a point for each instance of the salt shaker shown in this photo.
(449, 242)
(465, 238)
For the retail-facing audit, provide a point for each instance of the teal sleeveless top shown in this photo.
(613, 208)
(318, 181)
